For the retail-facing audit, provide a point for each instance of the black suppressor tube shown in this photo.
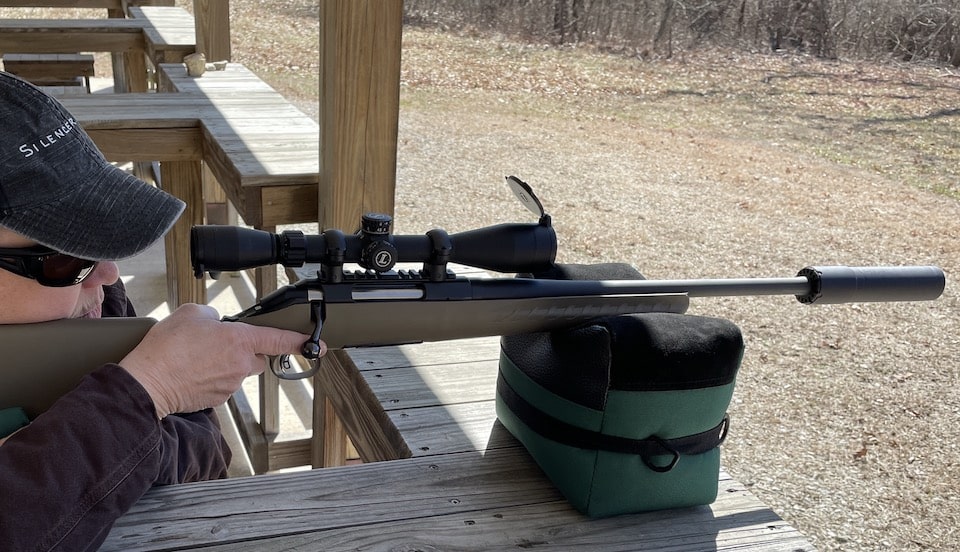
(846, 284)
(502, 248)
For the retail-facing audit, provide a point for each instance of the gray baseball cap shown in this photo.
(57, 188)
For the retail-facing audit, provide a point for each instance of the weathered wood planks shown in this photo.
(102, 4)
(170, 32)
(461, 501)
(71, 35)
(255, 138)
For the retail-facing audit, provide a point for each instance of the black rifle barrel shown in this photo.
(814, 284)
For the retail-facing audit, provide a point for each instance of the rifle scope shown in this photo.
(504, 248)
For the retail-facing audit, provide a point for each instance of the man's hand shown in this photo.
(191, 360)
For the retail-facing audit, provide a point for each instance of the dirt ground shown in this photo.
(845, 418)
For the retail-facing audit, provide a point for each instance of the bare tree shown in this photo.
(665, 29)
(907, 29)
(566, 20)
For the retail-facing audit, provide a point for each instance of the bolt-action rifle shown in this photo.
(379, 305)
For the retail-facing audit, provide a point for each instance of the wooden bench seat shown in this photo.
(162, 34)
(169, 31)
(99, 4)
(51, 69)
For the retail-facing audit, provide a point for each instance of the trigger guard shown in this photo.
(280, 366)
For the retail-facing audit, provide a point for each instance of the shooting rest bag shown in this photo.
(626, 413)
(12, 419)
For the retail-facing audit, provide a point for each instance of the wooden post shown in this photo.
(129, 68)
(212, 19)
(212, 24)
(359, 108)
(183, 179)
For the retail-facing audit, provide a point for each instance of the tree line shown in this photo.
(908, 30)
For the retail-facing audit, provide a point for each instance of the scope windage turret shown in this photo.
(504, 248)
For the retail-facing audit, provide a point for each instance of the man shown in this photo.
(65, 215)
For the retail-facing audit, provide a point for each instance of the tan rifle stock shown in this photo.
(43, 361)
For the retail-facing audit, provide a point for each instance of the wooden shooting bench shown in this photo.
(466, 484)
(51, 69)
(160, 34)
(261, 149)
(211, 18)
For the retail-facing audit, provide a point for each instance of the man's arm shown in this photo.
(192, 448)
(66, 477)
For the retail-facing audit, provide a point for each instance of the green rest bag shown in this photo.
(625, 414)
(12, 419)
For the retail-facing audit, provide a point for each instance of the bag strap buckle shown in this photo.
(648, 461)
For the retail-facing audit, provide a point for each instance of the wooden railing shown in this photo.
(212, 18)
(329, 173)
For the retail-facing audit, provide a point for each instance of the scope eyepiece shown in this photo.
(215, 248)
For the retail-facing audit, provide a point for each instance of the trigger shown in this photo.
(281, 365)
(283, 368)
(311, 348)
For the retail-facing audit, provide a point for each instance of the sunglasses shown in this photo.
(48, 267)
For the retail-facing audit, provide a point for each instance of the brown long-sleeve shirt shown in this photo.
(67, 477)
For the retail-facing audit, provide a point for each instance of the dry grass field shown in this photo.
(732, 164)
(714, 164)
(846, 418)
